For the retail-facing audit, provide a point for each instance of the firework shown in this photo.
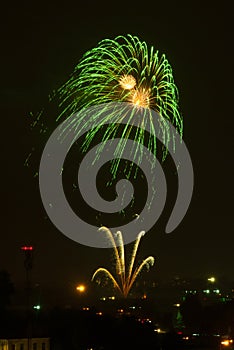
(121, 70)
(125, 276)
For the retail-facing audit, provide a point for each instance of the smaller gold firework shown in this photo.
(140, 98)
(125, 277)
(127, 82)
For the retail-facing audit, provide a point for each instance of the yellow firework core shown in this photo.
(140, 98)
(127, 82)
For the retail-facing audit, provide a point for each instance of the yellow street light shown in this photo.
(212, 279)
(80, 288)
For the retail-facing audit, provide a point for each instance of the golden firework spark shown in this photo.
(125, 277)
(127, 82)
(140, 98)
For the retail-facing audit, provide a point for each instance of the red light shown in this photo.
(27, 248)
(179, 333)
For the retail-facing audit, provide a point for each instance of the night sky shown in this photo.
(40, 47)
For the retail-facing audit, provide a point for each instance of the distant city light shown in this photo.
(80, 288)
(227, 342)
(207, 291)
(211, 279)
(191, 291)
(217, 291)
(145, 320)
(109, 298)
(27, 248)
(159, 330)
(37, 307)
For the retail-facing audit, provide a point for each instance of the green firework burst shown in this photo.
(122, 70)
